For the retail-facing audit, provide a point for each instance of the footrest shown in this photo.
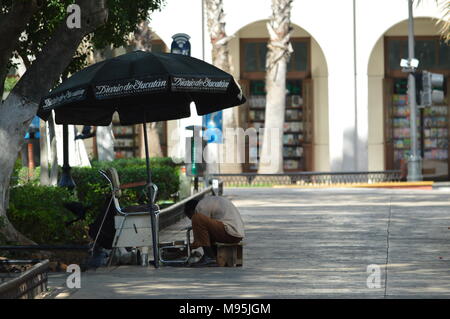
(229, 255)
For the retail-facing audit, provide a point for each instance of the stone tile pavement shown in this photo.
(306, 243)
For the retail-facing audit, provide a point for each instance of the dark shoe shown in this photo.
(205, 261)
(209, 252)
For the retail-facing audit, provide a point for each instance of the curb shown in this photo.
(391, 185)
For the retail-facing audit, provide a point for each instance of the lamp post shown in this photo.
(414, 161)
(66, 178)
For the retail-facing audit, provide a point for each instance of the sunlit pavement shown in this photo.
(307, 243)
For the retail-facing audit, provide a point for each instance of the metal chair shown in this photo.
(135, 226)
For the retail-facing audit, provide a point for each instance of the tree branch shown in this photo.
(12, 25)
(51, 62)
(25, 59)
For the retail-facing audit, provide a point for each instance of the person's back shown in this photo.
(214, 220)
(222, 209)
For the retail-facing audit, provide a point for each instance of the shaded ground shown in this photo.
(307, 243)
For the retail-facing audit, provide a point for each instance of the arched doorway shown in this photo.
(389, 142)
(305, 132)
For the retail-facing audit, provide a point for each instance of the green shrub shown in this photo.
(10, 82)
(25, 178)
(3, 240)
(91, 185)
(15, 174)
(20, 175)
(38, 213)
(134, 162)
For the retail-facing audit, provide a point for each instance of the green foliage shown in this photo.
(10, 82)
(15, 174)
(123, 19)
(38, 212)
(25, 178)
(92, 186)
(21, 176)
(3, 240)
(134, 162)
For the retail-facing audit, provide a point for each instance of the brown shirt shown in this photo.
(222, 209)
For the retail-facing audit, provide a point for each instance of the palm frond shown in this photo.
(444, 21)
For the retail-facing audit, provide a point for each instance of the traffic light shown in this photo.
(432, 92)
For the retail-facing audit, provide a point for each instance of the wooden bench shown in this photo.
(230, 255)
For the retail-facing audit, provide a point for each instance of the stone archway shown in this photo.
(317, 76)
(377, 84)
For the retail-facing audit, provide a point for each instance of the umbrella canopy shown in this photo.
(141, 87)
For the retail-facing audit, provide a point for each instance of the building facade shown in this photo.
(344, 72)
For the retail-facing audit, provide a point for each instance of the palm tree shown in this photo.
(221, 59)
(445, 20)
(278, 54)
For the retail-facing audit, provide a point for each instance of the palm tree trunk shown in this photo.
(279, 51)
(221, 59)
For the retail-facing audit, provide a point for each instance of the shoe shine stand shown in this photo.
(134, 228)
(138, 228)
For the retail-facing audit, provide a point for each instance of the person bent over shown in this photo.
(214, 219)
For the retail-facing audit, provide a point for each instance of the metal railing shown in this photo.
(308, 178)
(27, 285)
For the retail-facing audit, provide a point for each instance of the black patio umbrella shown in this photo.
(141, 87)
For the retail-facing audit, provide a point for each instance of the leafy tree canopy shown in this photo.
(123, 19)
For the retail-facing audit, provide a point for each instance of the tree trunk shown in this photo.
(154, 144)
(44, 178)
(21, 105)
(221, 59)
(11, 139)
(11, 26)
(279, 50)
(104, 135)
(54, 151)
(105, 143)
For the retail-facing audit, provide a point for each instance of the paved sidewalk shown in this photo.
(308, 243)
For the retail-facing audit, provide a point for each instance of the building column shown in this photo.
(342, 118)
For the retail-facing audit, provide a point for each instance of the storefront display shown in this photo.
(292, 129)
(125, 145)
(432, 123)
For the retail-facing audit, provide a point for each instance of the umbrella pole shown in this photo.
(66, 178)
(147, 155)
(155, 227)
